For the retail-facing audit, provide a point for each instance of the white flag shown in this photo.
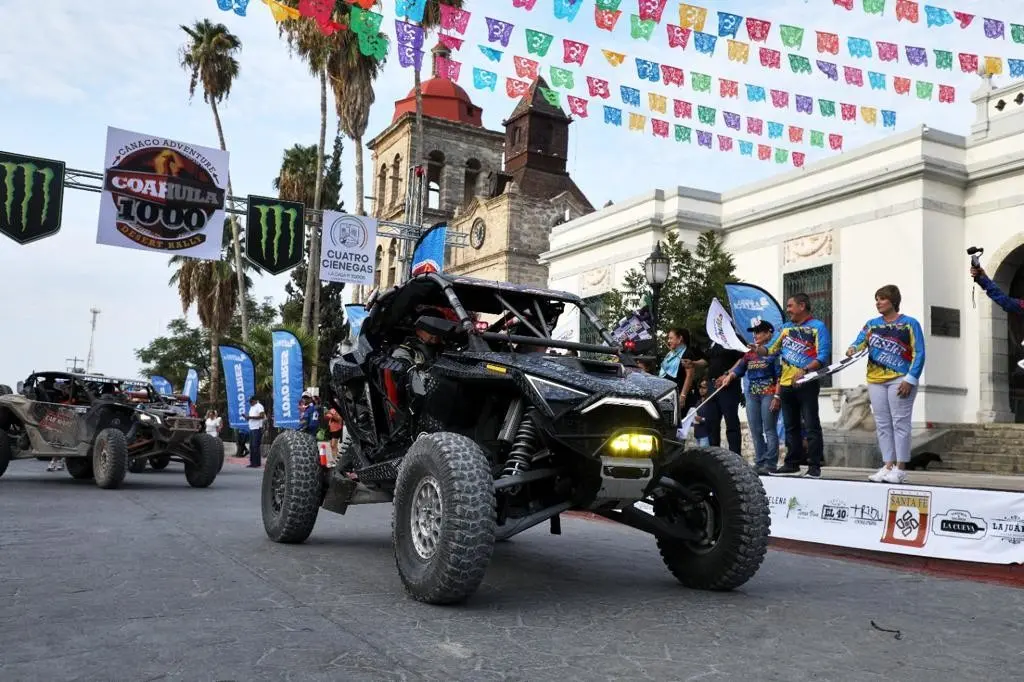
(686, 424)
(720, 329)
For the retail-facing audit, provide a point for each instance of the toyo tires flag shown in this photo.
(287, 379)
(162, 386)
(191, 387)
(750, 304)
(239, 384)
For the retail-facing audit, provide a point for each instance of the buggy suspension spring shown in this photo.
(523, 448)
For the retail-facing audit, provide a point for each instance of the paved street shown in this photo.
(158, 581)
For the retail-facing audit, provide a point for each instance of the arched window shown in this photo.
(382, 181)
(392, 254)
(376, 266)
(396, 179)
(435, 171)
(470, 180)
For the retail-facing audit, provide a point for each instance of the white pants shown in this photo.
(892, 419)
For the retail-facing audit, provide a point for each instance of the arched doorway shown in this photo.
(1002, 399)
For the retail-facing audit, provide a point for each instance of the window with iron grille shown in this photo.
(817, 284)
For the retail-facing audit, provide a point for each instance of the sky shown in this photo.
(70, 69)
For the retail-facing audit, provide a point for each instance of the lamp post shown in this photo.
(656, 269)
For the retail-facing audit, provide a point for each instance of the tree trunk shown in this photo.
(360, 209)
(235, 238)
(214, 370)
(313, 273)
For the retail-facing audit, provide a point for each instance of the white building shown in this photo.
(900, 211)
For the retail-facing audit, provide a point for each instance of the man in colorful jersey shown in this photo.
(804, 345)
(895, 344)
(1014, 306)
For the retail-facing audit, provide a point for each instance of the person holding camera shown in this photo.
(1013, 306)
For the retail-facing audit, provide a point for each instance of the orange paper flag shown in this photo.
(637, 121)
(281, 12)
(691, 16)
(739, 51)
(614, 58)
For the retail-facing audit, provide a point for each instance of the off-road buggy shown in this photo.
(103, 427)
(497, 432)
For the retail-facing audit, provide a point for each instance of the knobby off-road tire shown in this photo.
(5, 452)
(741, 520)
(79, 468)
(208, 453)
(110, 458)
(444, 518)
(291, 491)
(160, 462)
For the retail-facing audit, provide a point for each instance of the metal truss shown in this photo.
(91, 181)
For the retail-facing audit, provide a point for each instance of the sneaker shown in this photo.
(813, 472)
(879, 475)
(787, 470)
(896, 476)
(763, 470)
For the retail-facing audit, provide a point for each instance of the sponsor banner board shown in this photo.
(31, 197)
(346, 248)
(162, 195)
(275, 234)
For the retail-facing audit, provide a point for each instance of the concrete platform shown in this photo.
(946, 479)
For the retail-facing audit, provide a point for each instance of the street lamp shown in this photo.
(656, 269)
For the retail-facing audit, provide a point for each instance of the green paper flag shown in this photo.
(827, 107)
(706, 115)
(944, 60)
(373, 45)
(538, 42)
(553, 98)
(799, 63)
(683, 133)
(608, 5)
(781, 155)
(701, 82)
(817, 138)
(364, 22)
(792, 36)
(874, 6)
(640, 29)
(561, 78)
(924, 90)
(1017, 33)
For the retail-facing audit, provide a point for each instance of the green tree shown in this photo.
(209, 58)
(695, 278)
(171, 356)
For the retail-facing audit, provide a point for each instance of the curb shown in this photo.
(1011, 575)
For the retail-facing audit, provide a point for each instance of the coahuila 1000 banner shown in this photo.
(162, 195)
(346, 248)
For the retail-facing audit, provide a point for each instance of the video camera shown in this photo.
(975, 253)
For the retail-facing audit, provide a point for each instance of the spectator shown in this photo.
(213, 423)
(700, 429)
(310, 419)
(762, 399)
(257, 416)
(725, 404)
(678, 366)
(895, 344)
(335, 424)
(1014, 306)
(804, 345)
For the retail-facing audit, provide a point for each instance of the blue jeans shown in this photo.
(762, 422)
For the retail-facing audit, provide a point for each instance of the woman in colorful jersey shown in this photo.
(762, 398)
(895, 345)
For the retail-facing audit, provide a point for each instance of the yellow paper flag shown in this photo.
(691, 16)
(637, 121)
(869, 114)
(739, 51)
(994, 66)
(280, 11)
(657, 102)
(614, 58)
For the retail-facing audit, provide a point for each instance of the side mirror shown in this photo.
(21, 387)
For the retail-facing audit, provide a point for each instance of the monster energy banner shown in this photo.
(275, 234)
(31, 195)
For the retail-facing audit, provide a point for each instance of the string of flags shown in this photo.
(936, 17)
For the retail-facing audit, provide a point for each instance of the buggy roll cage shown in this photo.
(477, 338)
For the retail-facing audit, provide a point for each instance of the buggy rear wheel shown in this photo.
(291, 490)
(110, 458)
(733, 515)
(444, 518)
(79, 468)
(208, 456)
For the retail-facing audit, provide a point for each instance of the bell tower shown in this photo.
(537, 134)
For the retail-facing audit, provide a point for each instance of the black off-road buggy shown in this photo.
(501, 432)
(103, 427)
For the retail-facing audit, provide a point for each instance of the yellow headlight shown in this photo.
(641, 444)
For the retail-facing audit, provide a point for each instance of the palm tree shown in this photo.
(296, 181)
(209, 57)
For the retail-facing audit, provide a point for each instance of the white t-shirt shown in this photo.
(213, 426)
(256, 411)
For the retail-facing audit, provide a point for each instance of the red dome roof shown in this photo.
(442, 98)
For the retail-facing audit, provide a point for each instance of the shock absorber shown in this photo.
(523, 448)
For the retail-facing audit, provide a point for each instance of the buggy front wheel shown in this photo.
(110, 458)
(291, 491)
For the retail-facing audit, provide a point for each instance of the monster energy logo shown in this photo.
(270, 222)
(30, 197)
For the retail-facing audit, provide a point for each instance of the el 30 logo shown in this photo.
(31, 197)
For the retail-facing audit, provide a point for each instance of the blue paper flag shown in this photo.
(630, 95)
(937, 16)
(877, 80)
(728, 24)
(888, 118)
(746, 148)
(240, 6)
(410, 9)
(647, 71)
(858, 47)
(484, 80)
(755, 93)
(567, 9)
(491, 53)
(1016, 67)
(705, 42)
(612, 115)
(225, 5)
(775, 130)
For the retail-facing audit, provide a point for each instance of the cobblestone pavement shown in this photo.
(158, 581)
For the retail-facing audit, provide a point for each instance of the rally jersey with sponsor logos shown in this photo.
(895, 349)
(762, 373)
(799, 345)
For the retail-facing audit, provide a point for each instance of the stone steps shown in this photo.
(997, 463)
